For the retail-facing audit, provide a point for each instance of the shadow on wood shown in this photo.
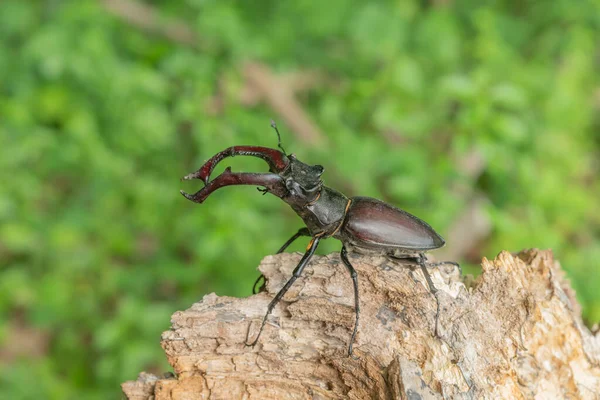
(515, 333)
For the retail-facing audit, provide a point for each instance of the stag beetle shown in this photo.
(362, 224)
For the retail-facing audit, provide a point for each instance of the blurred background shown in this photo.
(481, 117)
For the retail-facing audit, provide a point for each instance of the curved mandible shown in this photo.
(276, 159)
(272, 182)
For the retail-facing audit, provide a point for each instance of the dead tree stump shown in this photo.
(514, 333)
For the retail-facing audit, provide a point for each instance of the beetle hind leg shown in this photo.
(421, 261)
(353, 274)
(440, 263)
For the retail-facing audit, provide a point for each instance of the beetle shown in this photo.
(362, 224)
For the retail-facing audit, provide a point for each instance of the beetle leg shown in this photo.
(261, 288)
(344, 257)
(301, 232)
(421, 260)
(310, 250)
(437, 264)
(277, 160)
(272, 182)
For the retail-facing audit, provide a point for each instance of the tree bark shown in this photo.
(514, 333)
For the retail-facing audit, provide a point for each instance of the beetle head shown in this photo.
(303, 180)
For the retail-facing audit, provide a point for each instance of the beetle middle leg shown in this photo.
(310, 251)
(344, 257)
(301, 232)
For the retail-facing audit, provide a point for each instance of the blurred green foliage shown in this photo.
(98, 120)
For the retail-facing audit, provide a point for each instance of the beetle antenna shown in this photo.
(274, 126)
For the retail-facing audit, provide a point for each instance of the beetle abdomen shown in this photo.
(373, 223)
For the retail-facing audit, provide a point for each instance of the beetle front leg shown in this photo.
(310, 250)
(272, 182)
(301, 232)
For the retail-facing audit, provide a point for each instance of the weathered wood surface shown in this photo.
(515, 333)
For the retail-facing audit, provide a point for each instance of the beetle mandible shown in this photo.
(362, 224)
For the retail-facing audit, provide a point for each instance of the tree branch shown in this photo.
(517, 333)
(146, 18)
